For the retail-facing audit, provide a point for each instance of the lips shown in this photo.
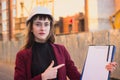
(41, 33)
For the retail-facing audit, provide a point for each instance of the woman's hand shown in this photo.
(51, 72)
(111, 66)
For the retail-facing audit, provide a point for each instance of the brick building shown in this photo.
(0, 21)
(8, 14)
(70, 24)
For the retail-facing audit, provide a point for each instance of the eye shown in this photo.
(47, 24)
(38, 24)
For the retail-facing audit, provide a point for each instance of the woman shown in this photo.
(40, 58)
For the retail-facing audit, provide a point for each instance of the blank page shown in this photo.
(97, 59)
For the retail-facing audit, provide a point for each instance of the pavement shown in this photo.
(6, 71)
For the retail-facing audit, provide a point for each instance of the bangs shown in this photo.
(42, 17)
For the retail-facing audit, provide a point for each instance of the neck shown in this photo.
(41, 41)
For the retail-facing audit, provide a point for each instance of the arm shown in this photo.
(20, 72)
(71, 69)
(20, 69)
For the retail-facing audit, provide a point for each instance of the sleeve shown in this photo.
(20, 69)
(71, 69)
(20, 73)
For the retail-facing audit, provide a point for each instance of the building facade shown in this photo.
(4, 19)
(0, 21)
(70, 24)
(8, 10)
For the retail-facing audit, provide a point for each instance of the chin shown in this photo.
(42, 39)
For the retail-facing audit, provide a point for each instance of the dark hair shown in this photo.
(30, 36)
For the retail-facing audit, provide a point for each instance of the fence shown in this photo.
(76, 44)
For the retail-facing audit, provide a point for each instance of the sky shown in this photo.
(62, 8)
(68, 7)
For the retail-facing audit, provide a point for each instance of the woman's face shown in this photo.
(41, 29)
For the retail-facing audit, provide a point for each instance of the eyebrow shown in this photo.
(37, 22)
(40, 21)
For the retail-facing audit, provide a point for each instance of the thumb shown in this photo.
(51, 64)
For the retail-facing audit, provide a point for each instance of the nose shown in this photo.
(42, 28)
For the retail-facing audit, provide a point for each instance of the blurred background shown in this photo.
(78, 24)
(71, 16)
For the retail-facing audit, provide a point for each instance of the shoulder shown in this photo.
(58, 45)
(24, 52)
(61, 49)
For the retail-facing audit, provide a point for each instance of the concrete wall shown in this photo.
(98, 14)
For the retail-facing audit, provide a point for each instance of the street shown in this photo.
(6, 71)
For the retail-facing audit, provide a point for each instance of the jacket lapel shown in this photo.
(60, 60)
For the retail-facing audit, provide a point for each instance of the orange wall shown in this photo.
(66, 22)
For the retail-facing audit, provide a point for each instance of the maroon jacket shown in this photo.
(23, 65)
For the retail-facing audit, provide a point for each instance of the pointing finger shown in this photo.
(51, 65)
(59, 66)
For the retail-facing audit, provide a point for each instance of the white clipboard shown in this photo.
(97, 58)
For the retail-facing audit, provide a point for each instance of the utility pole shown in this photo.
(10, 21)
(86, 15)
(22, 11)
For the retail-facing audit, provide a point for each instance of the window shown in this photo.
(14, 12)
(4, 15)
(14, 2)
(4, 26)
(4, 5)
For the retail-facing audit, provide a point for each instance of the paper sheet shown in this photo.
(97, 58)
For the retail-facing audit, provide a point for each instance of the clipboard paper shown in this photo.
(97, 58)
